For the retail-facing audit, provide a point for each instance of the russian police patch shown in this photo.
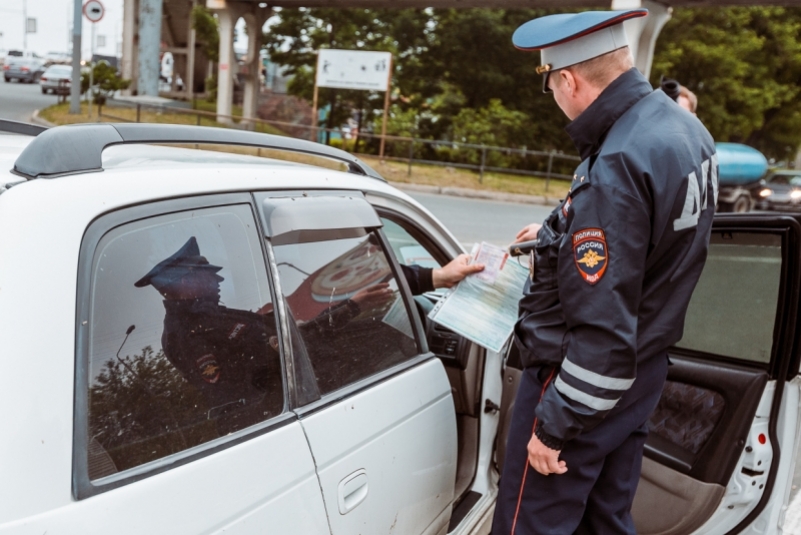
(590, 253)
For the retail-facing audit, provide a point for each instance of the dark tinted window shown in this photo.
(733, 309)
(200, 359)
(344, 298)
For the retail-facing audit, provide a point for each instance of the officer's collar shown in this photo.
(588, 130)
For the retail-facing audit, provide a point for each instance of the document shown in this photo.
(484, 312)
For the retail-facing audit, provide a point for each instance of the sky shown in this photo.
(54, 27)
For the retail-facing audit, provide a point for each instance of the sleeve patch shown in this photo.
(590, 254)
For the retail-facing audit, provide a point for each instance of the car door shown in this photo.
(474, 374)
(374, 403)
(181, 417)
(720, 453)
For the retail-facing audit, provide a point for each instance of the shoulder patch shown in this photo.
(208, 368)
(566, 205)
(590, 254)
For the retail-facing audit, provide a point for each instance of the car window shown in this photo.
(183, 344)
(344, 299)
(733, 308)
(780, 179)
(406, 247)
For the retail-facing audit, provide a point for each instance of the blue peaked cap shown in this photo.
(570, 38)
(179, 264)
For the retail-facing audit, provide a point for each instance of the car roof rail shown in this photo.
(73, 149)
(16, 127)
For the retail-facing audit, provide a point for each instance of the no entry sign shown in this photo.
(93, 10)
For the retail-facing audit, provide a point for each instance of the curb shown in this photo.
(35, 119)
(477, 194)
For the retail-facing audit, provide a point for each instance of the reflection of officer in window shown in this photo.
(230, 355)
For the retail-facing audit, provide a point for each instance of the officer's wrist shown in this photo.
(547, 440)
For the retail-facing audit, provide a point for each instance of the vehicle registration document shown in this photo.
(483, 307)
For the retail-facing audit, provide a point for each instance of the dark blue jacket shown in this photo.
(617, 262)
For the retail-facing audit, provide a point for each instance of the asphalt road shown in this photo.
(19, 101)
(477, 220)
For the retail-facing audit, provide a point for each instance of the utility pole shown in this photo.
(24, 26)
(75, 88)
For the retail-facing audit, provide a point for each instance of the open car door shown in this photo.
(721, 449)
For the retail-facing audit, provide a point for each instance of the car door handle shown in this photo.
(352, 491)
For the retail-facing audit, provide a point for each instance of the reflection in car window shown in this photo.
(200, 357)
(345, 300)
(733, 309)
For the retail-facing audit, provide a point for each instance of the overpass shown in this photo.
(147, 23)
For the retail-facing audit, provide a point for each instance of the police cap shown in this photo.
(180, 264)
(570, 38)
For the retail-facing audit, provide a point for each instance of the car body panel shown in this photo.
(385, 432)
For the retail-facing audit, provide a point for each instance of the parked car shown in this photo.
(296, 407)
(780, 191)
(56, 79)
(23, 70)
(61, 58)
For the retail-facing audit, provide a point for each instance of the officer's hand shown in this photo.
(373, 297)
(454, 271)
(543, 459)
(528, 233)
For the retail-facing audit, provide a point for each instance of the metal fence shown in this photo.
(534, 163)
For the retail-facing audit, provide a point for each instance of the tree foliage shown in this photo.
(744, 64)
(450, 64)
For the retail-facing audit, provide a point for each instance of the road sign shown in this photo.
(353, 69)
(93, 10)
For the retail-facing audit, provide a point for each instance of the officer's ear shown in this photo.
(565, 80)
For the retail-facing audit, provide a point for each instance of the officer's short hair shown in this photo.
(602, 70)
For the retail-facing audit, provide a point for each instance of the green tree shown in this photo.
(295, 39)
(106, 81)
(744, 64)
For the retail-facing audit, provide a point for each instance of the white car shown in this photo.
(193, 343)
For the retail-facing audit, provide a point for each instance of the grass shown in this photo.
(391, 170)
(435, 175)
(59, 114)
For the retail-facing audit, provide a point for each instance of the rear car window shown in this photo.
(183, 345)
(343, 296)
(733, 309)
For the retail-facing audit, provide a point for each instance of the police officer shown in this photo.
(230, 356)
(614, 268)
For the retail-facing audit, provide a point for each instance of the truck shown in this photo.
(740, 169)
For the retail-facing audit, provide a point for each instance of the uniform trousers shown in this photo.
(594, 496)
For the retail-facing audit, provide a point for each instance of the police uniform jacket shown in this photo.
(230, 356)
(617, 262)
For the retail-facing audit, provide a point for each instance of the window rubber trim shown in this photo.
(82, 486)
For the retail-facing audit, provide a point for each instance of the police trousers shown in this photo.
(595, 495)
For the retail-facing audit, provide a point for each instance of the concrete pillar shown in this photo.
(254, 22)
(150, 12)
(642, 32)
(189, 81)
(130, 44)
(226, 18)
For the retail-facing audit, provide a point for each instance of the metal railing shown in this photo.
(533, 163)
